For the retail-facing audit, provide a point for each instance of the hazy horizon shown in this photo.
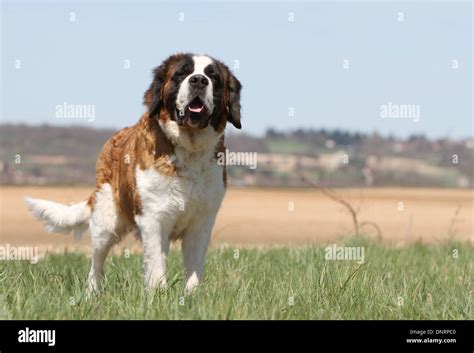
(231, 131)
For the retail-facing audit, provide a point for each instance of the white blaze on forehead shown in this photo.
(183, 98)
(200, 63)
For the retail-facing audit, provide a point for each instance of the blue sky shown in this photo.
(282, 64)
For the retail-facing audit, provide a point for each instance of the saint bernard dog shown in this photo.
(160, 178)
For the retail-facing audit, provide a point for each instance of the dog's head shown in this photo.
(194, 91)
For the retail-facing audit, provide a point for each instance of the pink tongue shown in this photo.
(196, 110)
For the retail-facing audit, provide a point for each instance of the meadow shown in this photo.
(419, 281)
(266, 260)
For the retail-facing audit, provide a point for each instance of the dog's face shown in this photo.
(194, 91)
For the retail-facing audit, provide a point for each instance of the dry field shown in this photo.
(261, 217)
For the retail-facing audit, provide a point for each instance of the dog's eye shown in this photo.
(215, 75)
(183, 71)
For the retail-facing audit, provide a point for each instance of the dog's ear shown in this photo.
(153, 97)
(233, 103)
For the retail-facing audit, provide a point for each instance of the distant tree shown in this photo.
(272, 133)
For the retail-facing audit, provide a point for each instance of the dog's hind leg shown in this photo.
(102, 242)
(103, 227)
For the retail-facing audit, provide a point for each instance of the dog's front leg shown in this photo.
(155, 232)
(194, 247)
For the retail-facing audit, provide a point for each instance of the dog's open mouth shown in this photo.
(194, 115)
(196, 106)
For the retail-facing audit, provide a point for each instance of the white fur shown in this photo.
(105, 218)
(193, 141)
(106, 230)
(183, 98)
(59, 218)
(183, 207)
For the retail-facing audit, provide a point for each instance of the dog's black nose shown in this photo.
(198, 81)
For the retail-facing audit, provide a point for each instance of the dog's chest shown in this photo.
(196, 192)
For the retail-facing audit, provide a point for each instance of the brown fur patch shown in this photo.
(142, 145)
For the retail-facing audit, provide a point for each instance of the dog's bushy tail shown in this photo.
(59, 218)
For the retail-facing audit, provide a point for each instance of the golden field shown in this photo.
(262, 217)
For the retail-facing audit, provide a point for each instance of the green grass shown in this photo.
(260, 284)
